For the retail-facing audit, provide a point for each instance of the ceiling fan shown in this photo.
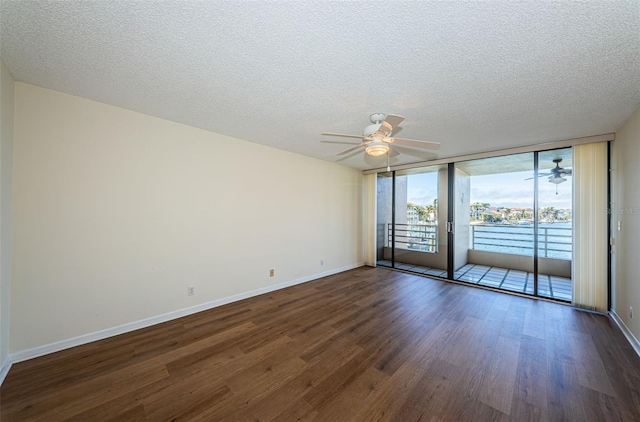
(557, 174)
(377, 138)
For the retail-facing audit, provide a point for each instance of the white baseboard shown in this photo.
(147, 322)
(4, 370)
(625, 330)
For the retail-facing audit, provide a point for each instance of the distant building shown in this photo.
(412, 216)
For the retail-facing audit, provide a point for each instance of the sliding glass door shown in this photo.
(385, 213)
(503, 222)
(555, 229)
(411, 229)
(495, 222)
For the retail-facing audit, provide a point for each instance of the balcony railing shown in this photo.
(418, 237)
(553, 242)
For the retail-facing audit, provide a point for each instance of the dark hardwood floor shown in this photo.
(364, 345)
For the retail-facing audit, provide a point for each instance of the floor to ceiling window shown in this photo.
(502, 222)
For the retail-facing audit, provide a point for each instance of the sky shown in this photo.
(500, 190)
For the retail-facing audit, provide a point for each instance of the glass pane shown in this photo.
(384, 219)
(420, 226)
(494, 222)
(555, 233)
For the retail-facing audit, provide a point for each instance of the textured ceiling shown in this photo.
(475, 76)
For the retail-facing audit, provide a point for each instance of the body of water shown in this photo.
(554, 239)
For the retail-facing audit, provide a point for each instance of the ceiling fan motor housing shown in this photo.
(371, 130)
(377, 117)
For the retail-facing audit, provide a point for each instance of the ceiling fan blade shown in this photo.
(567, 172)
(415, 143)
(346, 151)
(393, 152)
(347, 155)
(540, 175)
(390, 122)
(341, 135)
(413, 152)
(338, 142)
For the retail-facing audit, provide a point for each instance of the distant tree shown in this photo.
(548, 213)
(475, 210)
(507, 214)
(429, 210)
(421, 210)
(492, 218)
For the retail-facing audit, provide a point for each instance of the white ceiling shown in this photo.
(475, 76)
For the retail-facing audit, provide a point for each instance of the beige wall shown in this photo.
(626, 210)
(116, 213)
(6, 160)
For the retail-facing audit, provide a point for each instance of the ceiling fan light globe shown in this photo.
(557, 180)
(377, 148)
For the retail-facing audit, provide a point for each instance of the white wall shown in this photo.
(116, 213)
(626, 210)
(6, 160)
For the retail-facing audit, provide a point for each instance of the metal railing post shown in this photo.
(546, 242)
(473, 237)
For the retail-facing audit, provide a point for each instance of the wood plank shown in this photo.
(134, 414)
(338, 354)
(341, 407)
(564, 401)
(60, 404)
(534, 321)
(364, 345)
(602, 407)
(185, 400)
(299, 411)
(123, 407)
(390, 398)
(531, 378)
(591, 371)
(498, 383)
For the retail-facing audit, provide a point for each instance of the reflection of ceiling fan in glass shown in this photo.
(557, 174)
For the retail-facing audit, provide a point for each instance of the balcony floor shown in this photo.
(550, 286)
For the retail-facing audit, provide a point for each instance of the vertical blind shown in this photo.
(590, 243)
(370, 190)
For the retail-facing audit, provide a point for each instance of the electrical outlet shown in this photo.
(191, 291)
(631, 312)
(272, 272)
